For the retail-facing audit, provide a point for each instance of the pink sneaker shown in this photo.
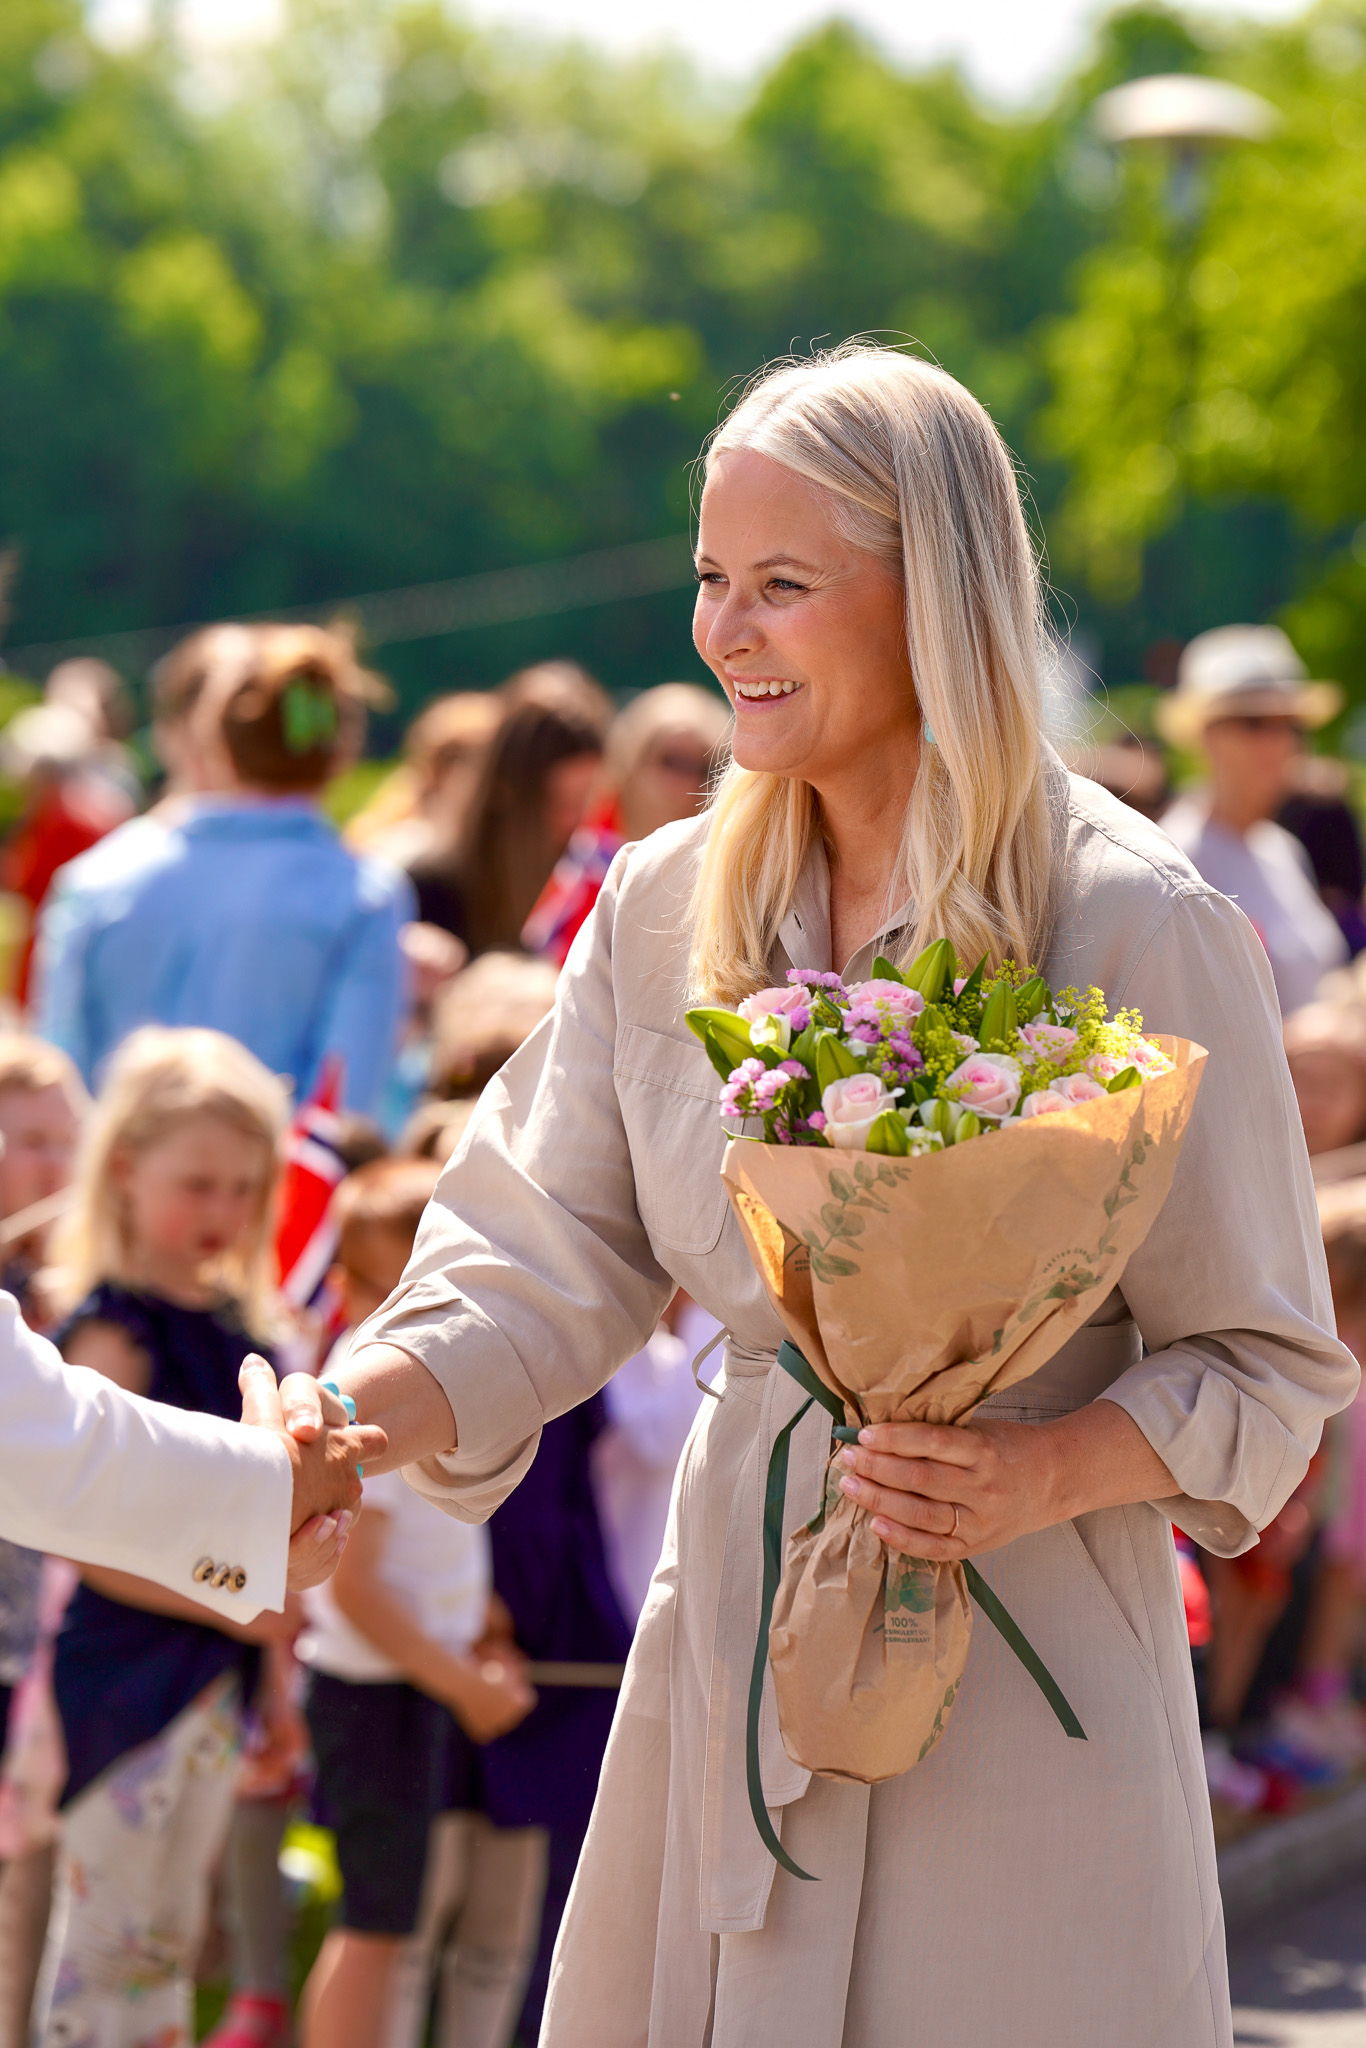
(251, 2021)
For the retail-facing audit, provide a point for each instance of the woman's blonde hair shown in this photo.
(157, 1080)
(915, 474)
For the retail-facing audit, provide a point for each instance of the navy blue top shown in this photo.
(121, 1675)
(550, 1567)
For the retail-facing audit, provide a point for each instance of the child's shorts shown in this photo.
(389, 1760)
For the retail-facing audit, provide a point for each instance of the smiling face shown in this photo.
(804, 632)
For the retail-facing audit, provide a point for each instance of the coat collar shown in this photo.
(804, 934)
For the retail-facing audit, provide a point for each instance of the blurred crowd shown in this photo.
(1278, 1636)
(241, 1044)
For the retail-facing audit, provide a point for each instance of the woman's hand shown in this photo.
(948, 1493)
(390, 1388)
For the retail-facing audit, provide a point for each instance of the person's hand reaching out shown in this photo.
(324, 1455)
(491, 1695)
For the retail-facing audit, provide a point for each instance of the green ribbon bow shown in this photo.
(308, 716)
(775, 1497)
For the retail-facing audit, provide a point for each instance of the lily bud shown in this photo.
(933, 970)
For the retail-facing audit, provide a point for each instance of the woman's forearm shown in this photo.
(392, 1388)
(1101, 1459)
(389, 1626)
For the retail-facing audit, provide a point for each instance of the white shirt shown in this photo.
(440, 1570)
(90, 1472)
(652, 1402)
(1267, 874)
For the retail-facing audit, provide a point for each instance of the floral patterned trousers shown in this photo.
(138, 1851)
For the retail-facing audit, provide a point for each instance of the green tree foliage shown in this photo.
(1217, 353)
(414, 301)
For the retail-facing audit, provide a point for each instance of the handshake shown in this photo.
(326, 1450)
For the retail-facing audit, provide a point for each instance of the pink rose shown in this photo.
(1103, 1066)
(1075, 1088)
(1049, 1041)
(888, 995)
(987, 1083)
(1063, 1094)
(1149, 1059)
(852, 1106)
(775, 1002)
(775, 1013)
(1043, 1102)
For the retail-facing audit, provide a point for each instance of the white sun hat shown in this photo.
(1241, 672)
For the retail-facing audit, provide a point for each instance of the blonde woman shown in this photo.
(868, 600)
(165, 1262)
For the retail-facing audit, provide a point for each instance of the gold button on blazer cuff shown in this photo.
(230, 1578)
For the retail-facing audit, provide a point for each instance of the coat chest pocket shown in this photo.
(670, 1105)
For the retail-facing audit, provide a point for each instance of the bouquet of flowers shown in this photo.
(939, 1177)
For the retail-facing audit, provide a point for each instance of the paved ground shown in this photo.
(1300, 1980)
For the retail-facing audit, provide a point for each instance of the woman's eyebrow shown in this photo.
(768, 562)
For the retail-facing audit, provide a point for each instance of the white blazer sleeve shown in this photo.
(102, 1476)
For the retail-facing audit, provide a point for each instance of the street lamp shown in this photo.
(1189, 111)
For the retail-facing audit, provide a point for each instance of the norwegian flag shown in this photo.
(305, 1240)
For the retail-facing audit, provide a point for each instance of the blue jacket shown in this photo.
(248, 916)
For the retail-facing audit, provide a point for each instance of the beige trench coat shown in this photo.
(1015, 1890)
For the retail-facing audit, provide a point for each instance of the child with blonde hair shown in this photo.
(408, 1678)
(164, 1265)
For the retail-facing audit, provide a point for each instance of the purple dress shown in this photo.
(550, 1566)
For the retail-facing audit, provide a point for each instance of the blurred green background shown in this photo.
(413, 302)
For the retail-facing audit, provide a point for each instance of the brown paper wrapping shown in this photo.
(916, 1288)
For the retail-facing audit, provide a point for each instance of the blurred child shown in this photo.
(483, 1015)
(402, 1687)
(1325, 1045)
(1321, 1714)
(42, 1102)
(164, 1260)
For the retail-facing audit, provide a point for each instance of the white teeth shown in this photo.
(752, 690)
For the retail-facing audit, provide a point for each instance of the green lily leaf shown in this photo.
(972, 987)
(883, 970)
(803, 1048)
(1030, 998)
(1128, 1077)
(996, 1032)
(731, 1033)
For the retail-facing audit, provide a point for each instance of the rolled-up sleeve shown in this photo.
(532, 1277)
(1230, 1288)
